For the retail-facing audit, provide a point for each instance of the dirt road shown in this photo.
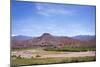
(71, 54)
(28, 54)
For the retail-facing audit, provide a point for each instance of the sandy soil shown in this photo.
(29, 54)
(71, 54)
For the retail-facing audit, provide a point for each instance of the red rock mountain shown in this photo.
(48, 40)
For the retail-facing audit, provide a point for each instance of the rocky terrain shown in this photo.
(48, 40)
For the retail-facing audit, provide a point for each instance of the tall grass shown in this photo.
(38, 61)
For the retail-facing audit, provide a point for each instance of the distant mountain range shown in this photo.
(84, 37)
(48, 40)
(21, 37)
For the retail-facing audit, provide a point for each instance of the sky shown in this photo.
(34, 19)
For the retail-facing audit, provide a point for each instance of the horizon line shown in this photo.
(56, 35)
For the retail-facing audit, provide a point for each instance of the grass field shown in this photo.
(70, 49)
(41, 61)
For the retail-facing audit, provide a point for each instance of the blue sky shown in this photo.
(34, 19)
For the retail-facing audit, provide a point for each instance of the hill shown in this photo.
(48, 40)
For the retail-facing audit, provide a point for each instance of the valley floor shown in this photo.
(40, 56)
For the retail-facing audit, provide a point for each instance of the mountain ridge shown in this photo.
(48, 40)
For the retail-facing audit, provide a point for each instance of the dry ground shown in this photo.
(49, 54)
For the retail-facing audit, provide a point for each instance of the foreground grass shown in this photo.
(40, 61)
(70, 49)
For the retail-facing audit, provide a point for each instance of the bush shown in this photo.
(19, 57)
(38, 56)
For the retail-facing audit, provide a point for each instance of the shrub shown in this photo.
(19, 57)
(38, 56)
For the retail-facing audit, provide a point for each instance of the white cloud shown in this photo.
(53, 9)
(13, 35)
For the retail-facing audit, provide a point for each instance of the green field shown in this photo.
(70, 49)
(41, 61)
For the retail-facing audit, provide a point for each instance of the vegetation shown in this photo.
(38, 61)
(30, 48)
(38, 56)
(71, 49)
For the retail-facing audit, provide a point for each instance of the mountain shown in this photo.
(85, 37)
(48, 40)
(21, 37)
